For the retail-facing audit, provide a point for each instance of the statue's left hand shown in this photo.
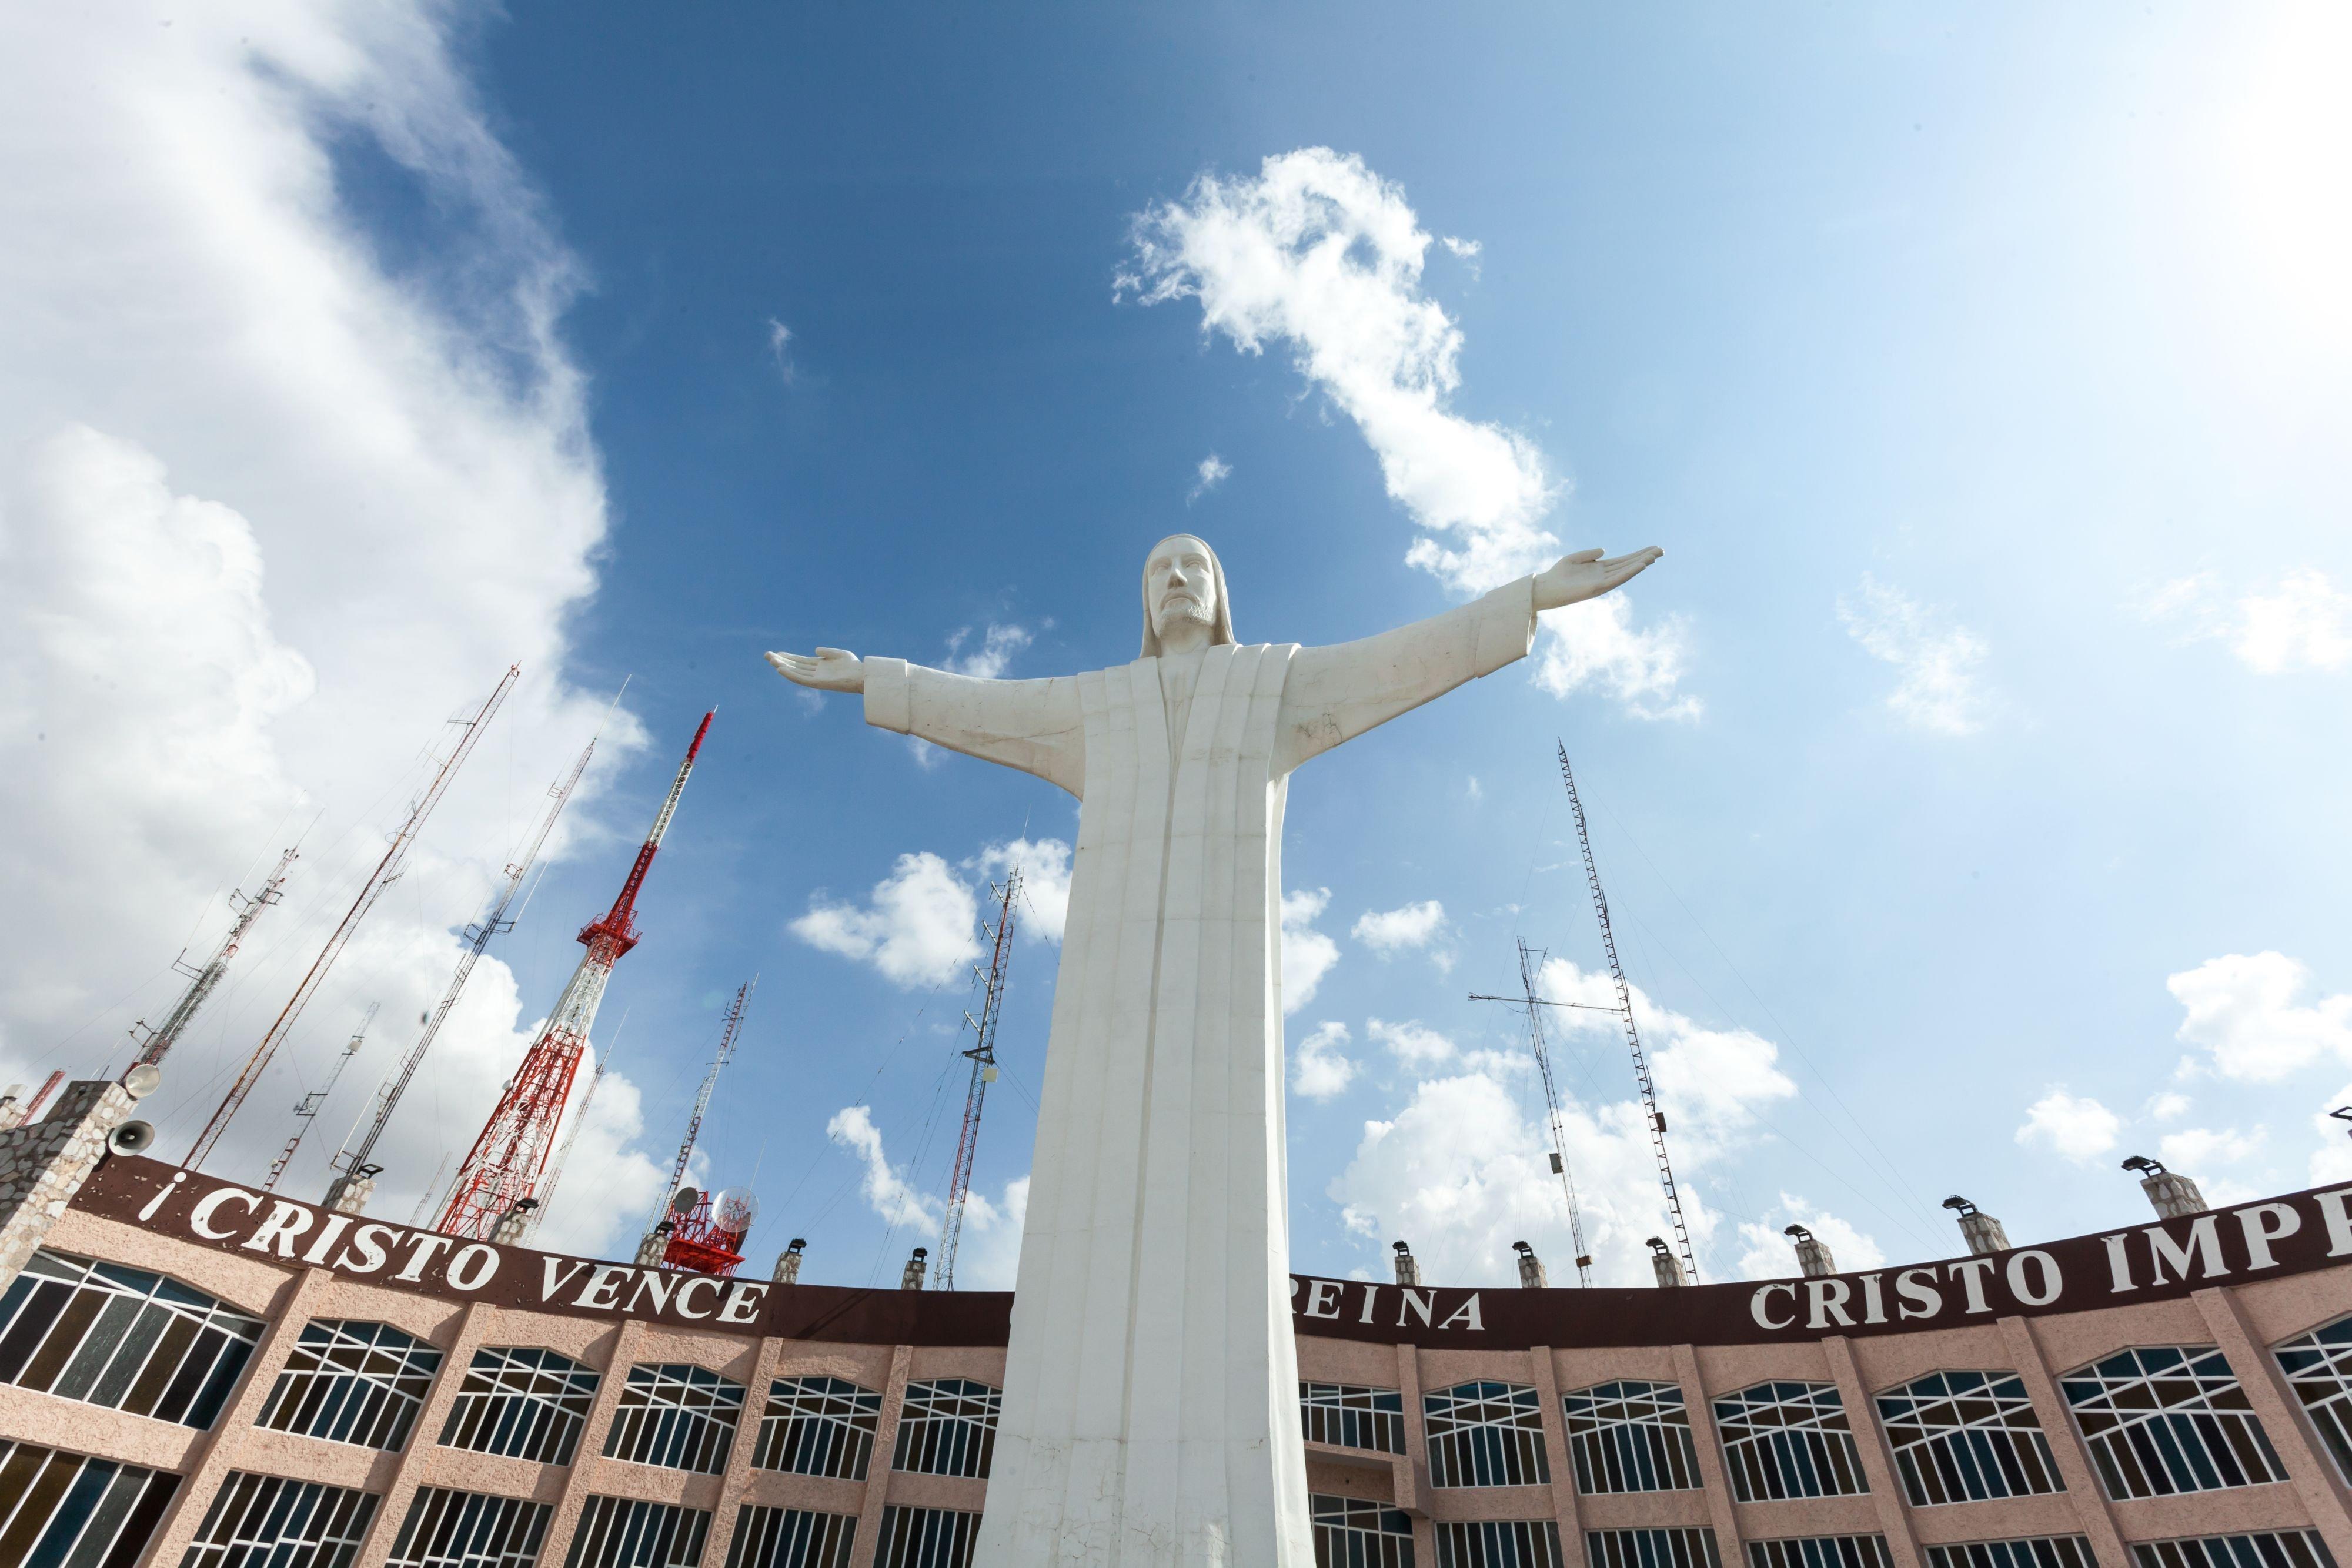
(1585, 575)
(833, 670)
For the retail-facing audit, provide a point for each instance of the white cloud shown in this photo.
(1390, 930)
(2167, 1106)
(1321, 1067)
(270, 512)
(886, 1189)
(991, 655)
(1045, 865)
(1414, 1046)
(1321, 254)
(1596, 645)
(1212, 472)
(2305, 623)
(1466, 251)
(780, 338)
(988, 1252)
(2243, 1009)
(1770, 1253)
(2332, 1160)
(2194, 1149)
(1306, 953)
(917, 927)
(1941, 689)
(2080, 1129)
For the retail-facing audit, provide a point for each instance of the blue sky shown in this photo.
(1966, 778)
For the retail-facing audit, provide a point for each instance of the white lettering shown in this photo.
(156, 1202)
(1323, 1298)
(1918, 1285)
(1469, 1310)
(687, 1290)
(604, 1292)
(2052, 1281)
(2339, 1223)
(285, 1222)
(1763, 1292)
(549, 1281)
(474, 1255)
(1371, 1295)
(366, 1253)
(2119, 1264)
(324, 1242)
(200, 1217)
(1826, 1306)
(1873, 1300)
(2204, 1239)
(1971, 1272)
(2259, 1236)
(743, 1304)
(657, 1283)
(423, 1245)
(1414, 1301)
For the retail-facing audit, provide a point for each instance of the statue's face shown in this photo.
(1180, 583)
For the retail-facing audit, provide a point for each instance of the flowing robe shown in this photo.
(1151, 1411)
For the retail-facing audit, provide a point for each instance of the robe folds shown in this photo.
(1150, 1414)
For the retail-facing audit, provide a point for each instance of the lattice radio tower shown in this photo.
(984, 1074)
(504, 1167)
(1632, 1032)
(386, 872)
(306, 1109)
(159, 1040)
(727, 1036)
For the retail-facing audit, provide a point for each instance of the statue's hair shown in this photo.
(1221, 626)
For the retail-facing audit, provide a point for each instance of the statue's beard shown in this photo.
(1182, 611)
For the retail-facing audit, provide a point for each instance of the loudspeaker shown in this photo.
(131, 1138)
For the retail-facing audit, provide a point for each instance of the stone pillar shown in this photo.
(788, 1263)
(1877, 1461)
(735, 1481)
(2094, 1513)
(1411, 1471)
(348, 1193)
(42, 1164)
(1563, 1467)
(2309, 1468)
(580, 1481)
(1715, 1476)
(473, 1330)
(863, 1550)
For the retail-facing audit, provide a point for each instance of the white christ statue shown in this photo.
(1150, 1413)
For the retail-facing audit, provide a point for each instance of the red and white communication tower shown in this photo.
(503, 1170)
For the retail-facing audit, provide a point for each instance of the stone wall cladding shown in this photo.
(44, 1163)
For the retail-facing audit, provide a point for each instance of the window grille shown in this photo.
(353, 1382)
(1631, 1437)
(926, 1538)
(522, 1403)
(2261, 1548)
(2170, 1419)
(1821, 1552)
(1484, 1435)
(1348, 1416)
(1968, 1436)
(1682, 1548)
(818, 1426)
(675, 1416)
(2039, 1552)
(1498, 1543)
(1352, 1533)
(629, 1532)
(946, 1427)
(1789, 1440)
(2318, 1368)
(122, 1338)
(61, 1508)
(268, 1519)
(469, 1530)
(791, 1538)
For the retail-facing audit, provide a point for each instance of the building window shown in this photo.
(124, 1338)
(285, 1524)
(926, 1538)
(2040, 1551)
(2170, 1419)
(677, 1416)
(1821, 1552)
(1498, 1543)
(353, 1382)
(522, 1403)
(1352, 1533)
(1348, 1416)
(468, 1530)
(1684, 1548)
(1484, 1435)
(946, 1427)
(791, 1538)
(1631, 1437)
(1789, 1440)
(1968, 1436)
(818, 1426)
(629, 1532)
(2262, 1549)
(56, 1506)
(2318, 1366)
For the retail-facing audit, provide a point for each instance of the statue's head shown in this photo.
(1184, 585)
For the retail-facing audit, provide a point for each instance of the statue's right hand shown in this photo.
(833, 670)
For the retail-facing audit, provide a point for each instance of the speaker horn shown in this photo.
(131, 1138)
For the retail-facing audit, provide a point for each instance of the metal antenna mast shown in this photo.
(510, 1156)
(307, 1108)
(984, 1074)
(727, 1036)
(160, 1040)
(1531, 961)
(349, 1160)
(386, 872)
(1633, 1033)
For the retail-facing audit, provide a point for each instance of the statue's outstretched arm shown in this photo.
(1037, 727)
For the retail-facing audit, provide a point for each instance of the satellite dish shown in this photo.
(734, 1210)
(142, 1080)
(684, 1200)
